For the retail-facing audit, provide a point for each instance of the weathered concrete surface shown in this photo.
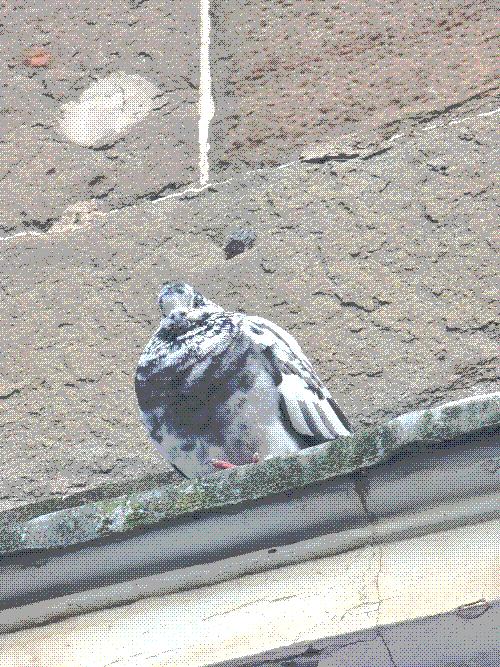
(384, 269)
(287, 74)
(309, 604)
(42, 171)
(365, 448)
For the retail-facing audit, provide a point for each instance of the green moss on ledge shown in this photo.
(417, 430)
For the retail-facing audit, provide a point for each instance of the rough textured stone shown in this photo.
(43, 172)
(290, 74)
(384, 269)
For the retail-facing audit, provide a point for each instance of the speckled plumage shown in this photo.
(213, 384)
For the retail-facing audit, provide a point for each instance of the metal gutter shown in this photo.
(423, 472)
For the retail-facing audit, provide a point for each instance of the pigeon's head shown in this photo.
(181, 298)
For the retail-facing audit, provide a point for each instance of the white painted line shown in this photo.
(489, 113)
(205, 102)
(6, 238)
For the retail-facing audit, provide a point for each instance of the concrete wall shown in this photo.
(288, 74)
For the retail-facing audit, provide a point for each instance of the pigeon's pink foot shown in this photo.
(222, 465)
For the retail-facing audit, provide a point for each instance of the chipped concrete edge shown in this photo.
(317, 464)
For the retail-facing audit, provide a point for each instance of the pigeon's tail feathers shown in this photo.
(339, 420)
(179, 471)
(310, 415)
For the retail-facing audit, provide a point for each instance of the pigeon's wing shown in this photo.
(309, 405)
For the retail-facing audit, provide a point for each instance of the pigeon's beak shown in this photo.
(178, 314)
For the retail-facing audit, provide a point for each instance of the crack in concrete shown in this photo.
(361, 489)
(230, 611)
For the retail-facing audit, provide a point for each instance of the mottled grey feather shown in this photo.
(215, 384)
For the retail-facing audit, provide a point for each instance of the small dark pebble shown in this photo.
(238, 242)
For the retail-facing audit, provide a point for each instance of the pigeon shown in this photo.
(219, 389)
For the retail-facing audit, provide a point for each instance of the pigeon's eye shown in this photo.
(178, 314)
(198, 301)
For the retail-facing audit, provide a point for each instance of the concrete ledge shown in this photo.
(437, 470)
(324, 462)
(466, 636)
(304, 607)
